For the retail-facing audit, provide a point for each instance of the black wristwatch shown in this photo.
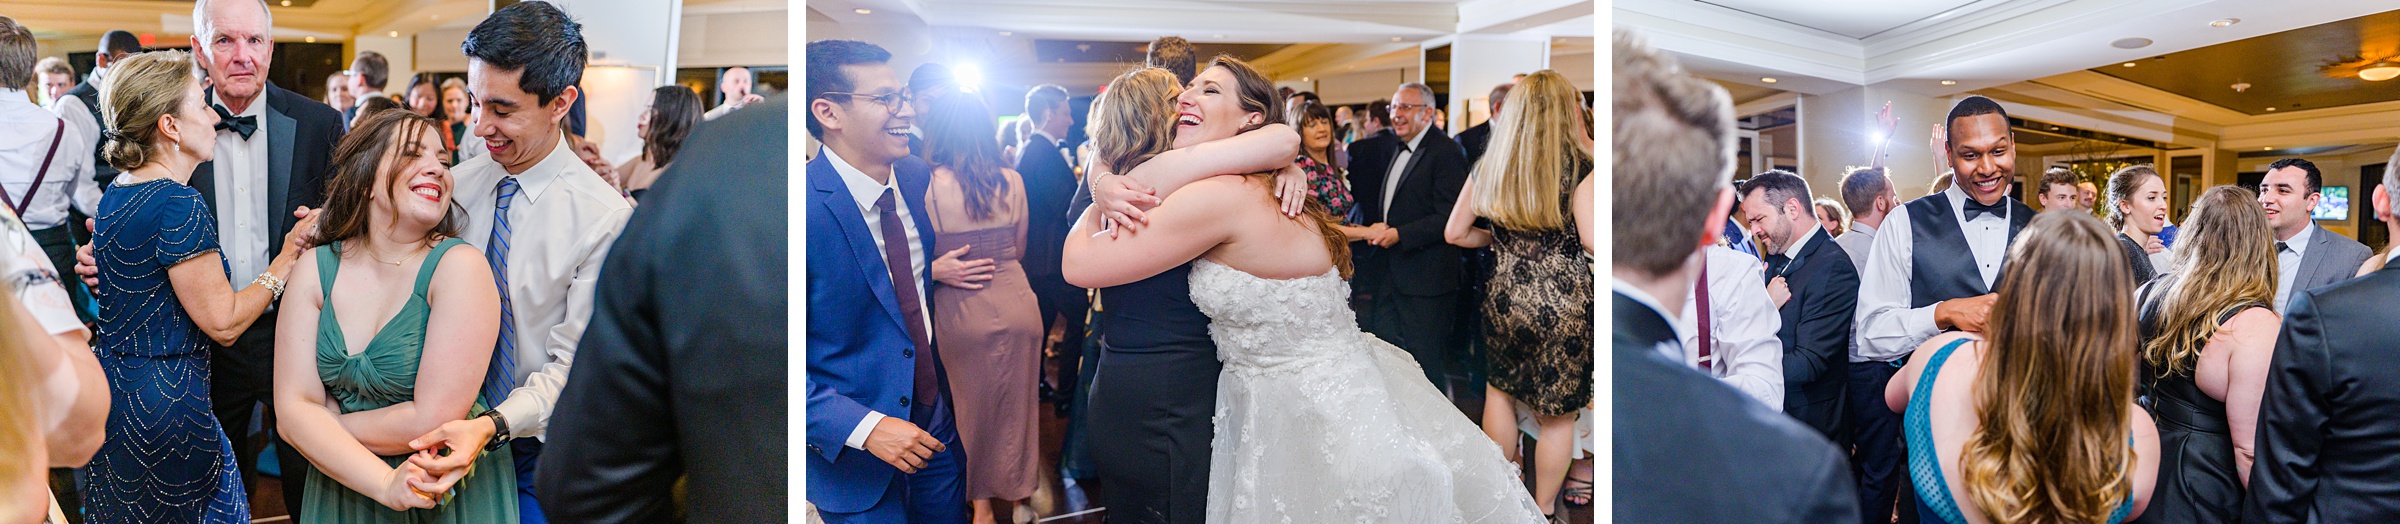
(499, 429)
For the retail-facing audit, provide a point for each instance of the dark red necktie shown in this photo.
(1702, 295)
(904, 287)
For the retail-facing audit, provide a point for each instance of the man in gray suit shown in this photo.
(2306, 256)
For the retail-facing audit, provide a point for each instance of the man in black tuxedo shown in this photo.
(1816, 290)
(2325, 434)
(1416, 301)
(1690, 448)
(1049, 185)
(667, 381)
(273, 149)
(1370, 157)
(1475, 139)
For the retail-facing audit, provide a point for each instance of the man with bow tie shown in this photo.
(273, 149)
(1930, 270)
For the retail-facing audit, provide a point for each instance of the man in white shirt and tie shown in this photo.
(542, 218)
(1931, 269)
(2306, 256)
(1739, 337)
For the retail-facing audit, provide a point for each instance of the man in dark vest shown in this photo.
(81, 108)
(1930, 270)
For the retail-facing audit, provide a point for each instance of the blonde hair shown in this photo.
(1535, 155)
(2054, 398)
(1125, 125)
(2228, 258)
(55, 66)
(138, 90)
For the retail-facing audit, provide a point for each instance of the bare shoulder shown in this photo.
(462, 264)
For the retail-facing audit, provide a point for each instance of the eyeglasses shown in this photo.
(1397, 108)
(891, 101)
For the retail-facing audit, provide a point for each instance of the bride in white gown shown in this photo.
(1316, 420)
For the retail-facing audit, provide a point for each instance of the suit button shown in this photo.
(904, 402)
(908, 353)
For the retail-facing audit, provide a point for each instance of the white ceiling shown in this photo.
(1851, 18)
(1256, 21)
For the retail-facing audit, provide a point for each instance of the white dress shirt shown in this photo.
(1391, 179)
(561, 223)
(34, 283)
(1887, 327)
(25, 142)
(243, 217)
(1744, 320)
(866, 191)
(2287, 264)
(1856, 242)
(85, 137)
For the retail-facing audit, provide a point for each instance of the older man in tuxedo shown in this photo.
(1418, 273)
(1816, 290)
(2325, 431)
(274, 147)
(1689, 448)
(882, 440)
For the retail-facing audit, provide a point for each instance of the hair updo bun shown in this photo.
(138, 90)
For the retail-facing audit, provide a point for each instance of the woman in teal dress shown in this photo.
(386, 335)
(165, 297)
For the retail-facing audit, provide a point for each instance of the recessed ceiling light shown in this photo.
(2379, 71)
(2270, 109)
(2130, 43)
(2129, 64)
(1395, 39)
(863, 11)
(1220, 36)
(1769, 80)
(393, 34)
(2266, 149)
(2225, 22)
(311, 40)
(287, 3)
(1949, 82)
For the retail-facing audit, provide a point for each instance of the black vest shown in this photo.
(101, 171)
(1942, 266)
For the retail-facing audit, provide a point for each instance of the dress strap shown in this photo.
(433, 261)
(329, 263)
(1924, 467)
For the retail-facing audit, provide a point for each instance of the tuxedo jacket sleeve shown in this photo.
(678, 372)
(2291, 419)
(1049, 186)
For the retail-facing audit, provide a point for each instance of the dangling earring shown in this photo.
(178, 148)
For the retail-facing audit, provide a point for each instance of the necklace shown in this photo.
(412, 253)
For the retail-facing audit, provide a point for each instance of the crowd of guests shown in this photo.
(2004, 364)
(986, 326)
(411, 318)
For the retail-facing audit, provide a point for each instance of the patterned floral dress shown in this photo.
(1538, 314)
(1325, 183)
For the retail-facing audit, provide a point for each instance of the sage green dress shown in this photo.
(383, 374)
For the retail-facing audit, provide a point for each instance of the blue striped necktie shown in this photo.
(502, 377)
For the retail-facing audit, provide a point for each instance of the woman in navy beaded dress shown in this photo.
(165, 297)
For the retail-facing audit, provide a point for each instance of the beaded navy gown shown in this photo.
(166, 460)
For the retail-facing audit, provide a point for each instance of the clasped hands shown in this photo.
(1122, 201)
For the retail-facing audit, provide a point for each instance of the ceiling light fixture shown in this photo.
(2266, 149)
(2225, 22)
(1769, 80)
(287, 3)
(863, 11)
(1395, 39)
(1220, 36)
(393, 34)
(311, 40)
(2129, 64)
(1949, 82)
(2379, 71)
(2270, 109)
(2130, 43)
(2240, 86)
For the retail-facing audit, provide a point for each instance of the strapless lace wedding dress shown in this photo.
(1320, 422)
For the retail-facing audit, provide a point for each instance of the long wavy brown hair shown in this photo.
(2055, 395)
(358, 174)
(2227, 256)
(1257, 94)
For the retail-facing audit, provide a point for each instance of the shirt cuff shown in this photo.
(858, 437)
(1920, 326)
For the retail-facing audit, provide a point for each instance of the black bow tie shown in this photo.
(1979, 208)
(239, 124)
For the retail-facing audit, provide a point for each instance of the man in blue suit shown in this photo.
(882, 445)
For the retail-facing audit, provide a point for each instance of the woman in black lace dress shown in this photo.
(1531, 190)
(2208, 337)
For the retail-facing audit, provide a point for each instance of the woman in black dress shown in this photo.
(2208, 339)
(1154, 388)
(2137, 207)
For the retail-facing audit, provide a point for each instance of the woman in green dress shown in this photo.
(385, 334)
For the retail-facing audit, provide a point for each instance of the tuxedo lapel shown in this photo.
(281, 131)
